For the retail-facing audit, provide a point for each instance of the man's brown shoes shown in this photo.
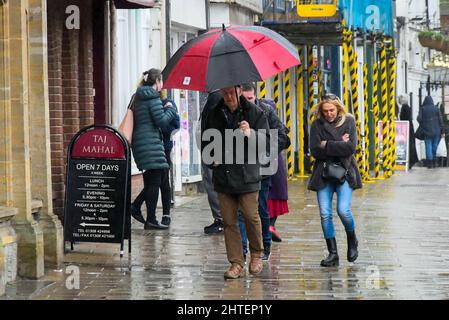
(255, 265)
(234, 271)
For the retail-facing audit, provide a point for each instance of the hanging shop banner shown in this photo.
(98, 187)
(368, 15)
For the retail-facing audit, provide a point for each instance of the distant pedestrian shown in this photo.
(217, 226)
(167, 133)
(431, 123)
(405, 114)
(278, 198)
(333, 141)
(147, 144)
(238, 182)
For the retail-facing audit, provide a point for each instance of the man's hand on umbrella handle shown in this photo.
(244, 127)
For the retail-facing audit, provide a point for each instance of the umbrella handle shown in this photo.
(239, 108)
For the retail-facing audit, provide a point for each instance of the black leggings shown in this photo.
(151, 178)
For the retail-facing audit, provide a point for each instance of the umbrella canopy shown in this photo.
(229, 56)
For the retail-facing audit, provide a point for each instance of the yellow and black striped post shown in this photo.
(367, 177)
(320, 84)
(353, 69)
(312, 106)
(392, 116)
(288, 120)
(346, 39)
(276, 94)
(384, 92)
(310, 68)
(262, 90)
(376, 115)
(300, 106)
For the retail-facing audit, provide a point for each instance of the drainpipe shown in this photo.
(207, 5)
(112, 100)
(168, 29)
(169, 91)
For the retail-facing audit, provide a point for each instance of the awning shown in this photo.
(308, 32)
(134, 4)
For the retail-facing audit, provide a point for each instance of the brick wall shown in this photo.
(70, 86)
(54, 21)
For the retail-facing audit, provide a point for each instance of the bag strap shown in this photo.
(131, 102)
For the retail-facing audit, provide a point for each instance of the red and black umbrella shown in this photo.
(229, 56)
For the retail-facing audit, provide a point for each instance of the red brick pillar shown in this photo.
(70, 84)
(54, 29)
(86, 91)
(70, 64)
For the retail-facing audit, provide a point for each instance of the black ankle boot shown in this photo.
(332, 260)
(152, 223)
(137, 214)
(428, 164)
(352, 246)
(266, 253)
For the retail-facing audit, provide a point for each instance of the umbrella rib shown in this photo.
(226, 53)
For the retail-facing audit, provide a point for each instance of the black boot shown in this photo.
(434, 163)
(137, 214)
(152, 223)
(332, 260)
(352, 246)
(266, 253)
(428, 164)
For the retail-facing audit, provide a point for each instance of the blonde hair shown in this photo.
(163, 94)
(341, 112)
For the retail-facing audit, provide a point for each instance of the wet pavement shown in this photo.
(403, 230)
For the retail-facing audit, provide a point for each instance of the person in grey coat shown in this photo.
(147, 143)
(217, 226)
(333, 140)
(431, 122)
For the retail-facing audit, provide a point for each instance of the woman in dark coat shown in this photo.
(147, 143)
(431, 122)
(278, 197)
(406, 115)
(333, 139)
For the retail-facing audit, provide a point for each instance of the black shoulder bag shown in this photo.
(334, 172)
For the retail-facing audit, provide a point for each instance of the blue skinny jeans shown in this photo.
(344, 195)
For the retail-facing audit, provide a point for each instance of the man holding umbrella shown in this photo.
(221, 59)
(237, 182)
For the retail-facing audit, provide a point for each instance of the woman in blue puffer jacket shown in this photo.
(150, 117)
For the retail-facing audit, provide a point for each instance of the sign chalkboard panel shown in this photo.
(98, 187)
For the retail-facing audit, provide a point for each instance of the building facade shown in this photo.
(413, 74)
(30, 232)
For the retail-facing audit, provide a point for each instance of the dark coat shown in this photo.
(279, 187)
(275, 123)
(406, 115)
(149, 117)
(430, 119)
(336, 149)
(172, 127)
(236, 178)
